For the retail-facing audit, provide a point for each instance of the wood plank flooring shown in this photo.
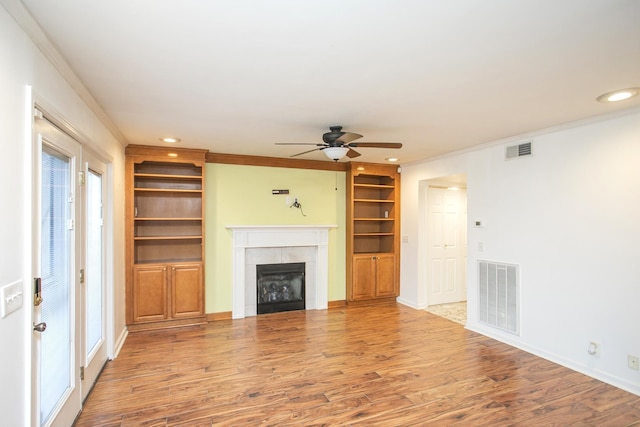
(357, 366)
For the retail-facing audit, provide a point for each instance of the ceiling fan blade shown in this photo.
(298, 143)
(377, 144)
(352, 153)
(347, 137)
(309, 151)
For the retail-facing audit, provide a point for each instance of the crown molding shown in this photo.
(30, 26)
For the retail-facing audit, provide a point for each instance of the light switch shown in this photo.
(10, 298)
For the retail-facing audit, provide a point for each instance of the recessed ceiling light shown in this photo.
(172, 154)
(170, 139)
(391, 159)
(618, 95)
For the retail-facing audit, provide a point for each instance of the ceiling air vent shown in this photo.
(519, 150)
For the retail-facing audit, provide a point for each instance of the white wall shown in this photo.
(569, 216)
(22, 66)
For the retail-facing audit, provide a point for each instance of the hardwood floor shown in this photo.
(373, 366)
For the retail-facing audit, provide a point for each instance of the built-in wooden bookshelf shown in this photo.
(373, 226)
(165, 236)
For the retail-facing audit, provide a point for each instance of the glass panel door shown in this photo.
(55, 267)
(55, 348)
(94, 301)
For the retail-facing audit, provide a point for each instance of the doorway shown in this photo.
(446, 246)
(69, 301)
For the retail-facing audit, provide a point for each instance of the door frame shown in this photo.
(423, 232)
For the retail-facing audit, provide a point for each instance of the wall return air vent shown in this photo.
(498, 292)
(519, 150)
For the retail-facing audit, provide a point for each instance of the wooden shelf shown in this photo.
(168, 176)
(165, 190)
(167, 238)
(373, 201)
(372, 254)
(166, 260)
(373, 186)
(168, 219)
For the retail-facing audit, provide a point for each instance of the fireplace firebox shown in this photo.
(280, 287)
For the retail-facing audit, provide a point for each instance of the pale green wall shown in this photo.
(241, 195)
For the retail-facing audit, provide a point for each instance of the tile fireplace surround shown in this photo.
(273, 244)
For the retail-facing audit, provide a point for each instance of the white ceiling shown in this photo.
(236, 76)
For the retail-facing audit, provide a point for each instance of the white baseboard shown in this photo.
(620, 383)
(120, 342)
(409, 303)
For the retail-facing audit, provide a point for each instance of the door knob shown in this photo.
(40, 327)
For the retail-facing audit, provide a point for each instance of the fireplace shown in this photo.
(272, 244)
(280, 287)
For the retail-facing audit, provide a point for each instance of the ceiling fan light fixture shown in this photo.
(335, 153)
(337, 144)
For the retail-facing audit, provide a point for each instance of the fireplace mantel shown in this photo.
(281, 236)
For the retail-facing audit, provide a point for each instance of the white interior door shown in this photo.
(93, 283)
(55, 345)
(446, 266)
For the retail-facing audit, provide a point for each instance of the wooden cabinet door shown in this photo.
(187, 295)
(386, 285)
(364, 276)
(149, 293)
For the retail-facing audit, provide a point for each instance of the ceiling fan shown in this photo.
(337, 144)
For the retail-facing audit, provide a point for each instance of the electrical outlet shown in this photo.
(633, 362)
(594, 349)
(288, 201)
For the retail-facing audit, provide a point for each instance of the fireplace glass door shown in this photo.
(280, 287)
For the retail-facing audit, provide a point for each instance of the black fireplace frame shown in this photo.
(298, 268)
